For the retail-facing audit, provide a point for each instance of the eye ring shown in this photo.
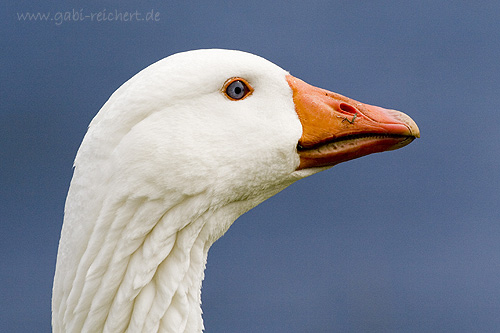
(237, 89)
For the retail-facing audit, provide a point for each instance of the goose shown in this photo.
(171, 160)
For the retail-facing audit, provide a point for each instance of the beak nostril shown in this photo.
(348, 108)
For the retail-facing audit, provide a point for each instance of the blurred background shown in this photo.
(406, 241)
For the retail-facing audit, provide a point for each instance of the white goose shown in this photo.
(171, 160)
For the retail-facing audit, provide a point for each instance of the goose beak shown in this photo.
(336, 128)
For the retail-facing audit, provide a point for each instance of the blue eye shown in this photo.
(237, 89)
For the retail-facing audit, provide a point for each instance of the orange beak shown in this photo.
(336, 128)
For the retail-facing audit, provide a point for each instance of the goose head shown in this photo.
(175, 155)
(234, 125)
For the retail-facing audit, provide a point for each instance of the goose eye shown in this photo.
(237, 89)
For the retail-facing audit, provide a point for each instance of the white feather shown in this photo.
(165, 168)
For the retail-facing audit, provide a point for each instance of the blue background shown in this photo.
(406, 241)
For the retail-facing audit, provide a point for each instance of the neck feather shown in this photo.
(139, 268)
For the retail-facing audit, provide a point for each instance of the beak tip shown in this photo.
(414, 130)
(410, 123)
